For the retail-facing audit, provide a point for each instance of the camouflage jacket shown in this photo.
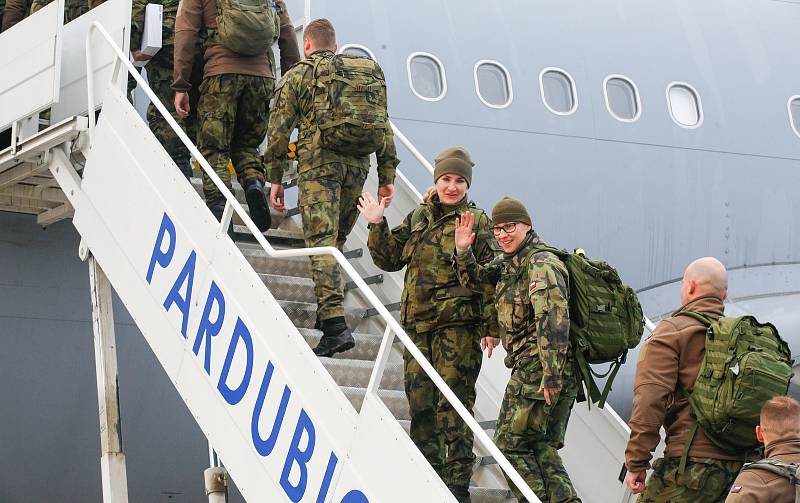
(73, 9)
(531, 295)
(163, 57)
(432, 296)
(294, 108)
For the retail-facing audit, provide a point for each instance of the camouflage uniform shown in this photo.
(159, 78)
(73, 9)
(445, 321)
(329, 182)
(532, 290)
(703, 481)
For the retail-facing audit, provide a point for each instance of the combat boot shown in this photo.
(217, 210)
(336, 337)
(257, 202)
(186, 168)
(461, 494)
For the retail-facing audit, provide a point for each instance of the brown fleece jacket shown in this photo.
(196, 15)
(760, 486)
(668, 361)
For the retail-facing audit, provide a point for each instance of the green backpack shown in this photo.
(745, 364)
(350, 105)
(247, 27)
(606, 319)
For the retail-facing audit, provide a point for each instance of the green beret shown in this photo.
(510, 210)
(454, 160)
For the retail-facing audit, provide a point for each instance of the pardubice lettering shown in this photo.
(179, 297)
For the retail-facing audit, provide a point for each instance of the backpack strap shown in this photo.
(685, 453)
(778, 467)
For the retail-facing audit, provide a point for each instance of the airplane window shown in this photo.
(622, 98)
(493, 84)
(558, 91)
(356, 50)
(426, 76)
(794, 114)
(684, 105)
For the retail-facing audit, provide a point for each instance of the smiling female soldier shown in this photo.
(444, 319)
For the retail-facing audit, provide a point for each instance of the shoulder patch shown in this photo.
(736, 489)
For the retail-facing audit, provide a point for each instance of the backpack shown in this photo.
(247, 27)
(789, 470)
(606, 319)
(745, 364)
(350, 105)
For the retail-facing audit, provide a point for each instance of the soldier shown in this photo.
(668, 363)
(443, 318)
(531, 299)
(779, 431)
(159, 78)
(73, 9)
(329, 182)
(14, 12)
(234, 101)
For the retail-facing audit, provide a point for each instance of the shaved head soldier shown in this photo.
(669, 362)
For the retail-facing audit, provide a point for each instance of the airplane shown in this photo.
(647, 134)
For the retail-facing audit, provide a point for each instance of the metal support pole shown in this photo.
(112, 459)
(216, 479)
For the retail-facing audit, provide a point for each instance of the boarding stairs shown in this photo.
(231, 321)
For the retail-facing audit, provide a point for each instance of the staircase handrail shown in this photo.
(232, 205)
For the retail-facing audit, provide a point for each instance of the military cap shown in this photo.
(510, 210)
(454, 160)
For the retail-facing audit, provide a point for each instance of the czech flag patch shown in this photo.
(736, 489)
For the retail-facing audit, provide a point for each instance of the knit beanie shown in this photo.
(510, 210)
(453, 160)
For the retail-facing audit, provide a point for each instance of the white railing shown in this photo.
(233, 205)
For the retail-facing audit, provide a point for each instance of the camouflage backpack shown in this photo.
(606, 319)
(790, 471)
(247, 27)
(350, 106)
(745, 364)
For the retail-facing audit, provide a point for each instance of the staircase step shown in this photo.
(487, 495)
(238, 193)
(304, 314)
(366, 348)
(395, 401)
(289, 237)
(356, 373)
(290, 287)
(263, 263)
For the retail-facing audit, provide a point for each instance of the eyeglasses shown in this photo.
(508, 228)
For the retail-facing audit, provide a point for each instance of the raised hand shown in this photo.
(464, 235)
(372, 211)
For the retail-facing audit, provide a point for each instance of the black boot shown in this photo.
(336, 337)
(186, 168)
(217, 210)
(461, 494)
(257, 202)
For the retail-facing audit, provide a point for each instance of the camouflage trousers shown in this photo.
(233, 113)
(530, 432)
(327, 199)
(160, 80)
(436, 428)
(703, 481)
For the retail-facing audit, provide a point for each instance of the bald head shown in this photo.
(704, 277)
